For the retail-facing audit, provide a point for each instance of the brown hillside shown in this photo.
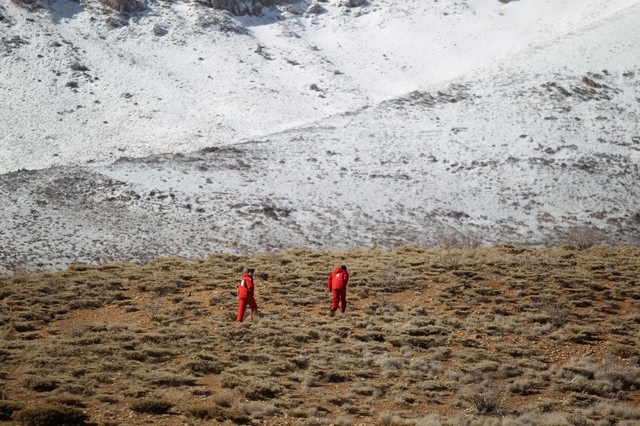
(502, 335)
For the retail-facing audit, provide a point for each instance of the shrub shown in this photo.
(22, 327)
(206, 413)
(452, 239)
(420, 368)
(615, 412)
(40, 384)
(68, 401)
(258, 391)
(390, 366)
(483, 398)
(224, 399)
(152, 406)
(202, 367)
(447, 239)
(390, 419)
(218, 415)
(619, 376)
(7, 408)
(524, 386)
(168, 380)
(584, 237)
(107, 399)
(48, 415)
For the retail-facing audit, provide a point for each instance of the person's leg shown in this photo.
(242, 306)
(334, 301)
(343, 299)
(253, 305)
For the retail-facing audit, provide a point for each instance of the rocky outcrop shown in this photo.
(315, 9)
(246, 7)
(27, 4)
(353, 3)
(125, 6)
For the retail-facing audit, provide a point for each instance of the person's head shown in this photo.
(344, 268)
(249, 271)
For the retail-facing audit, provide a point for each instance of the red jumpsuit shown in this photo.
(245, 296)
(337, 283)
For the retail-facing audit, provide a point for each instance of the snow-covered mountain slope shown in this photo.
(392, 123)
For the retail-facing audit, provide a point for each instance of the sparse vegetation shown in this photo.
(49, 414)
(481, 335)
(584, 237)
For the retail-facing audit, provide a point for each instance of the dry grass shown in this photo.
(502, 335)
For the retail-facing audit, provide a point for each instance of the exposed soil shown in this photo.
(474, 336)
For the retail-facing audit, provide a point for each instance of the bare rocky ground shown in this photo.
(490, 336)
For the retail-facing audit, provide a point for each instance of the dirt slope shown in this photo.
(502, 335)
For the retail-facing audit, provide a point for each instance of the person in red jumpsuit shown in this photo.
(337, 284)
(245, 295)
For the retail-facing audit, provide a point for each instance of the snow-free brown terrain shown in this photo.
(487, 336)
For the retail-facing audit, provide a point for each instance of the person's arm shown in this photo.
(329, 282)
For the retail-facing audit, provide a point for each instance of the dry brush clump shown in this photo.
(497, 335)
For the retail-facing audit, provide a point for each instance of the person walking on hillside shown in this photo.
(246, 295)
(337, 284)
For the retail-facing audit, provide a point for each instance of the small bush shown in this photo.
(584, 237)
(7, 408)
(204, 367)
(447, 239)
(218, 415)
(172, 380)
(224, 399)
(152, 406)
(261, 392)
(483, 398)
(206, 413)
(48, 415)
(524, 386)
(390, 419)
(22, 327)
(619, 376)
(68, 401)
(41, 384)
(452, 239)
